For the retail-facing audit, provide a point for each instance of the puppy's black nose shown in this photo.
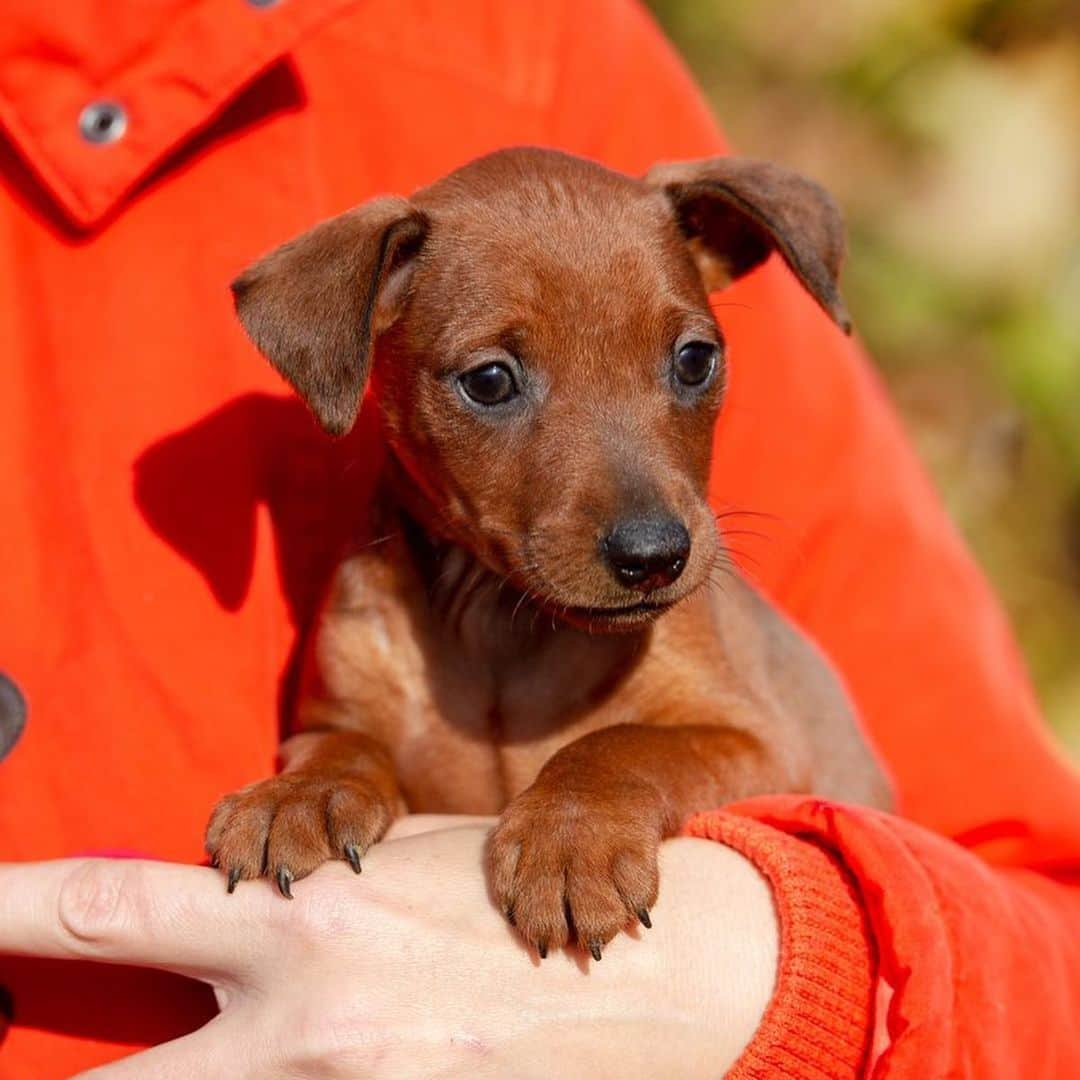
(647, 553)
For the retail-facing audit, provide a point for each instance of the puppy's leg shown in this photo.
(338, 792)
(575, 854)
(335, 797)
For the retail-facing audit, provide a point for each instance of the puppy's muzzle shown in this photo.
(646, 553)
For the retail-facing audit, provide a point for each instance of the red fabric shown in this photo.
(169, 513)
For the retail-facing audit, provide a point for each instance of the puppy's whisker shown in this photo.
(734, 511)
(741, 557)
(725, 533)
(742, 560)
(517, 607)
(378, 540)
(730, 304)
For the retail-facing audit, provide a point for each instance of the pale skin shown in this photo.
(409, 971)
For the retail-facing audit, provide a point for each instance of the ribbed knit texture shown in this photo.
(819, 1023)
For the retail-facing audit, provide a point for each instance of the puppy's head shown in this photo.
(538, 335)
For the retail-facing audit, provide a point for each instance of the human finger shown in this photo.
(132, 911)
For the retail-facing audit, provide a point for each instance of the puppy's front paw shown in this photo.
(565, 866)
(286, 826)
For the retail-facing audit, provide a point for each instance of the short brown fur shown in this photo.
(477, 652)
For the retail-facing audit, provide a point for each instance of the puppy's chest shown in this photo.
(497, 702)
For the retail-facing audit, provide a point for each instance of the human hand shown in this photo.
(409, 971)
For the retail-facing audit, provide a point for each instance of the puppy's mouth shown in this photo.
(607, 617)
(626, 615)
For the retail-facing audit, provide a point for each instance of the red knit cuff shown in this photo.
(819, 1022)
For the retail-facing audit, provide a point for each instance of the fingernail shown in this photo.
(643, 915)
(594, 948)
(284, 882)
(234, 877)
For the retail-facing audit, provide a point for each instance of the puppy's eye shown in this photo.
(695, 363)
(492, 384)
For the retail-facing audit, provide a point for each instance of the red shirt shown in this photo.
(168, 513)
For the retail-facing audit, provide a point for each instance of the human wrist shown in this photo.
(820, 1018)
(717, 929)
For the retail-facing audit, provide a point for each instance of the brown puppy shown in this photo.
(535, 624)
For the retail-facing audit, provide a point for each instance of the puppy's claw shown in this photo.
(594, 948)
(509, 913)
(234, 878)
(541, 950)
(284, 882)
(354, 857)
(643, 918)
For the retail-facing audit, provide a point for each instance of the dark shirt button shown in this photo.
(12, 715)
(7, 1011)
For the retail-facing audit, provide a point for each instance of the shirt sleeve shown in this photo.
(969, 903)
(974, 967)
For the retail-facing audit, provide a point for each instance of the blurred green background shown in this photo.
(949, 130)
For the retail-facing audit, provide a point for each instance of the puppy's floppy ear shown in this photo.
(315, 305)
(735, 211)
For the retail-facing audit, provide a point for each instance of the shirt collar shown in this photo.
(95, 96)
